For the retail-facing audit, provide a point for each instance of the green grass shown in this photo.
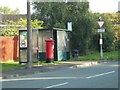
(111, 55)
(6, 66)
(96, 56)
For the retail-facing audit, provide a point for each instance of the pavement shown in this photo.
(46, 68)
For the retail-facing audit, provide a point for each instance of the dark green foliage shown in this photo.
(108, 44)
(108, 35)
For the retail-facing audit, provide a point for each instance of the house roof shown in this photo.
(13, 17)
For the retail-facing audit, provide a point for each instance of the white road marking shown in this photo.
(57, 85)
(100, 74)
(42, 78)
(53, 78)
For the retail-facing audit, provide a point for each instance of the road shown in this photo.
(103, 75)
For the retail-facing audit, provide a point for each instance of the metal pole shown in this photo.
(101, 51)
(29, 38)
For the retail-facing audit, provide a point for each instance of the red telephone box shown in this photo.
(49, 51)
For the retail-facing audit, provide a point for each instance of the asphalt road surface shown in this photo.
(103, 75)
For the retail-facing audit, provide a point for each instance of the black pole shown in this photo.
(29, 38)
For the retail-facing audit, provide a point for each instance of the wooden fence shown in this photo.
(9, 48)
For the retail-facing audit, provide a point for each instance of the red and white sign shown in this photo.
(100, 23)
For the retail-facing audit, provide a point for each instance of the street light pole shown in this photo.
(29, 38)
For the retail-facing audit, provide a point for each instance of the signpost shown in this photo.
(101, 30)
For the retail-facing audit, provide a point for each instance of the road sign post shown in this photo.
(101, 50)
(101, 30)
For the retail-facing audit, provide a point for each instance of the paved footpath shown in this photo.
(41, 69)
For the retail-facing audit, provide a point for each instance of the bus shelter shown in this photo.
(23, 45)
(39, 37)
(61, 41)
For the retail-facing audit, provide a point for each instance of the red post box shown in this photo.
(49, 51)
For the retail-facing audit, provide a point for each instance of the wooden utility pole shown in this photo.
(29, 37)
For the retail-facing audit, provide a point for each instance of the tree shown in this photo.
(57, 14)
(114, 18)
(12, 28)
(108, 35)
(84, 36)
(7, 10)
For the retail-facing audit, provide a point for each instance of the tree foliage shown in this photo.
(114, 18)
(57, 14)
(108, 35)
(7, 10)
(84, 36)
(12, 27)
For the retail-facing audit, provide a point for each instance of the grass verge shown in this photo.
(113, 55)
(6, 66)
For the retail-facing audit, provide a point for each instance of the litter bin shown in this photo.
(49, 51)
(75, 53)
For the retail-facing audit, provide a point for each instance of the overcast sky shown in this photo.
(95, 5)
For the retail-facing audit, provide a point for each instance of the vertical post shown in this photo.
(37, 47)
(101, 22)
(29, 38)
(1, 24)
(0, 51)
(101, 51)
